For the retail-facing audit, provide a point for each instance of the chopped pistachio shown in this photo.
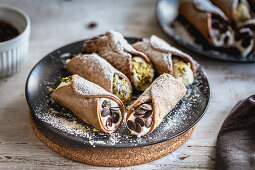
(66, 79)
(121, 89)
(142, 72)
(242, 12)
(183, 72)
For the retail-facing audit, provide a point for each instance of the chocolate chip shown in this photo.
(115, 109)
(148, 114)
(226, 40)
(140, 111)
(137, 115)
(146, 106)
(223, 28)
(115, 117)
(131, 125)
(106, 104)
(138, 128)
(148, 122)
(237, 36)
(245, 43)
(252, 27)
(105, 112)
(215, 24)
(219, 24)
(109, 122)
(92, 25)
(140, 121)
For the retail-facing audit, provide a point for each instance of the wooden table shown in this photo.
(59, 22)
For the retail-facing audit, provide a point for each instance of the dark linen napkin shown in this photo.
(235, 148)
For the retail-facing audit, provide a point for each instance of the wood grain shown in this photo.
(59, 22)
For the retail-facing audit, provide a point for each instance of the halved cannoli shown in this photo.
(148, 111)
(97, 70)
(90, 102)
(237, 11)
(244, 37)
(116, 50)
(209, 20)
(168, 59)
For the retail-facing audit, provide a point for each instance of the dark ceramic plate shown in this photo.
(52, 119)
(180, 31)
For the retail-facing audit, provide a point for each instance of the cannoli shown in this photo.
(90, 102)
(237, 11)
(168, 59)
(97, 70)
(115, 49)
(209, 20)
(244, 37)
(148, 111)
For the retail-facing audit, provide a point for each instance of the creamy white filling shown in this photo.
(183, 73)
(104, 119)
(68, 60)
(144, 129)
(244, 51)
(218, 38)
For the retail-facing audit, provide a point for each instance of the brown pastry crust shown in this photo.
(199, 17)
(164, 93)
(161, 53)
(82, 98)
(95, 69)
(228, 7)
(116, 50)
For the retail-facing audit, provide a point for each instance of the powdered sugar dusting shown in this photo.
(85, 87)
(119, 42)
(186, 112)
(161, 45)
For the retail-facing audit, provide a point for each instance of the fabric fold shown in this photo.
(235, 148)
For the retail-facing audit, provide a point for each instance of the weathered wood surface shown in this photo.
(58, 22)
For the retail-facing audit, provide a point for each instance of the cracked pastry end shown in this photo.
(142, 72)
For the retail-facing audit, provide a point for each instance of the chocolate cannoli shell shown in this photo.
(160, 53)
(82, 98)
(199, 15)
(116, 50)
(95, 69)
(164, 93)
(228, 7)
(161, 60)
